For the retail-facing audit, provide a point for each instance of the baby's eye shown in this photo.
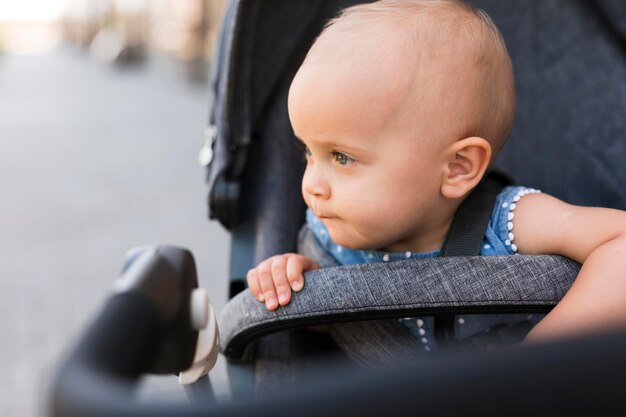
(342, 158)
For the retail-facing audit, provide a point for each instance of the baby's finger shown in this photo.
(279, 276)
(267, 285)
(295, 267)
(310, 264)
(253, 284)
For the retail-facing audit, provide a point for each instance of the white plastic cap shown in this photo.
(207, 347)
(199, 308)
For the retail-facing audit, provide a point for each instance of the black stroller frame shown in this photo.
(570, 61)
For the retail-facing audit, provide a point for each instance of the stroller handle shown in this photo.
(137, 324)
(146, 326)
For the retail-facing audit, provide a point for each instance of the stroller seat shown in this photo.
(568, 60)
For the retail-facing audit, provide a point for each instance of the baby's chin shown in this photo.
(351, 242)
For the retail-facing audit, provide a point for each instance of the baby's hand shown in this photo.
(274, 278)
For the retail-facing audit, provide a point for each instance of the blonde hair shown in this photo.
(424, 30)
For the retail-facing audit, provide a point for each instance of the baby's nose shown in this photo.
(314, 184)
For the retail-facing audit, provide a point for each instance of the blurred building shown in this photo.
(125, 31)
(122, 32)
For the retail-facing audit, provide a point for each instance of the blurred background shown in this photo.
(123, 32)
(103, 105)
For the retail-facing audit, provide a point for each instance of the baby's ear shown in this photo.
(466, 163)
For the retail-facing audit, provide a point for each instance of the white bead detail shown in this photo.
(487, 246)
(421, 331)
(420, 322)
(407, 254)
(510, 215)
(427, 348)
(424, 340)
(505, 204)
(370, 255)
(386, 257)
(461, 320)
(339, 249)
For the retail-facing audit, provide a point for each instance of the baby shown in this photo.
(402, 106)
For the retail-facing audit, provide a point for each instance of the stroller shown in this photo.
(570, 63)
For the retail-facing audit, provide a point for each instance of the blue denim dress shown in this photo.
(499, 240)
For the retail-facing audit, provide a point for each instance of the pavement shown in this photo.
(94, 160)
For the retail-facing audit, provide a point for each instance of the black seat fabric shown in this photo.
(569, 136)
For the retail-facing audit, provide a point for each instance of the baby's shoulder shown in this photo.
(500, 233)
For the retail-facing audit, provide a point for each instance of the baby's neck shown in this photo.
(427, 240)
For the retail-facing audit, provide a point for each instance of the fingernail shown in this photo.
(271, 304)
(297, 285)
(282, 298)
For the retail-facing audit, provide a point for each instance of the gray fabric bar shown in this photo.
(360, 292)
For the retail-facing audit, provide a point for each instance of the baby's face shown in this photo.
(373, 169)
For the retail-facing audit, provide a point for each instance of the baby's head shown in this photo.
(402, 104)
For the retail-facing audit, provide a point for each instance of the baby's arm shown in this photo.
(594, 237)
(273, 279)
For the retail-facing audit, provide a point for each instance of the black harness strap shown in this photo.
(466, 235)
(468, 227)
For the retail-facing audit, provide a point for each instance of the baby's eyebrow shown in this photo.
(331, 144)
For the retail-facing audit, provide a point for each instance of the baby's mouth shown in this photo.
(321, 215)
(325, 216)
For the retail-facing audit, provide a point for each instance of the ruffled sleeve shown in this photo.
(500, 234)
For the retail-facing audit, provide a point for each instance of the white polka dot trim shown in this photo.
(510, 215)
(407, 254)
(420, 322)
(386, 257)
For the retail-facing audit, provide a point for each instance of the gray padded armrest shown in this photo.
(459, 285)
